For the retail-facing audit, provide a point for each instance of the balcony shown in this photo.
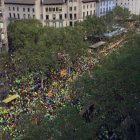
(54, 20)
(13, 19)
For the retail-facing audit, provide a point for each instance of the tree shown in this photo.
(121, 13)
(37, 48)
(93, 25)
(113, 88)
(114, 91)
(117, 15)
(21, 32)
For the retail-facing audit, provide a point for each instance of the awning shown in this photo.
(9, 99)
(94, 46)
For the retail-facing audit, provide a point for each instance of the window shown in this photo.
(74, 8)
(101, 11)
(50, 9)
(54, 9)
(33, 9)
(71, 23)
(70, 0)
(60, 9)
(54, 17)
(14, 15)
(83, 6)
(65, 16)
(47, 17)
(60, 16)
(17, 8)
(57, 9)
(70, 16)
(75, 16)
(1, 14)
(87, 13)
(23, 9)
(9, 8)
(18, 16)
(70, 8)
(90, 5)
(33, 16)
(87, 6)
(46, 9)
(13, 8)
(28, 9)
(10, 15)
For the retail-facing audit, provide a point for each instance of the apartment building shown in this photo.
(53, 13)
(104, 6)
(62, 13)
(88, 8)
(3, 31)
(22, 9)
(132, 5)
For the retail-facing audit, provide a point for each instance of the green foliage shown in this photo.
(93, 25)
(23, 31)
(121, 13)
(35, 46)
(113, 88)
(117, 15)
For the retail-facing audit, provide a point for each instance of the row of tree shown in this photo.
(34, 46)
(109, 98)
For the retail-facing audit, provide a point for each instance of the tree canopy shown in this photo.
(113, 89)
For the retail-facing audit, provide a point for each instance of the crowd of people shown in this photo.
(50, 90)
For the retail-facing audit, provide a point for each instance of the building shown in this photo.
(3, 30)
(22, 9)
(104, 6)
(53, 13)
(62, 13)
(132, 5)
(88, 8)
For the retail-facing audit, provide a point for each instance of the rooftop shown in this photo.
(84, 1)
(28, 2)
(47, 2)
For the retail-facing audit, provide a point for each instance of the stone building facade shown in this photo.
(3, 29)
(53, 13)
(132, 5)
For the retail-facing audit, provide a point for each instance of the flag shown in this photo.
(63, 72)
(50, 94)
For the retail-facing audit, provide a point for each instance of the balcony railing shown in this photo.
(54, 20)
